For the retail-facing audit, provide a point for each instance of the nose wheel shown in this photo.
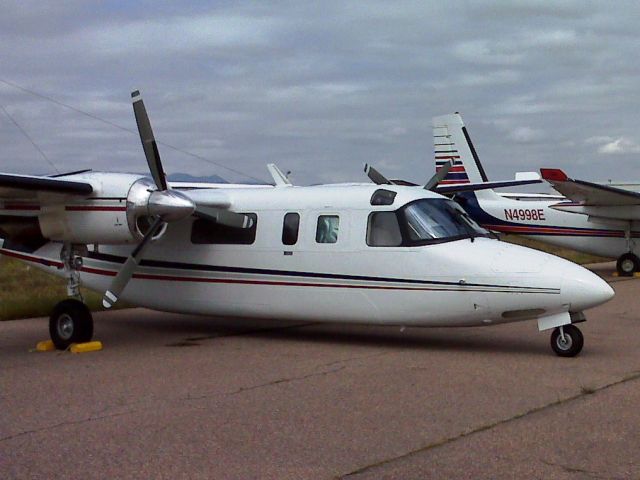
(567, 341)
(70, 322)
(627, 265)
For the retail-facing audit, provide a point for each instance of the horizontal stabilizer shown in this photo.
(528, 176)
(472, 187)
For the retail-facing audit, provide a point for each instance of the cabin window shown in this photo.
(290, 229)
(383, 197)
(208, 231)
(383, 230)
(327, 229)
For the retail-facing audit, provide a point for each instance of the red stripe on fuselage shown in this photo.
(554, 230)
(13, 206)
(94, 208)
(31, 258)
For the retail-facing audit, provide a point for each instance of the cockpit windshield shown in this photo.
(429, 220)
(421, 222)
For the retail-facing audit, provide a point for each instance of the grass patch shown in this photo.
(574, 256)
(26, 291)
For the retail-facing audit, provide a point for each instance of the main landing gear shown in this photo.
(628, 264)
(71, 320)
(567, 341)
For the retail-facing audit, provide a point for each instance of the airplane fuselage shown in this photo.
(337, 276)
(539, 220)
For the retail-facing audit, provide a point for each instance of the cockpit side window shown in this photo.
(422, 222)
(436, 220)
(327, 229)
(383, 230)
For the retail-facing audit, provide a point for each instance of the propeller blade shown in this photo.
(121, 280)
(375, 176)
(224, 217)
(148, 142)
(439, 176)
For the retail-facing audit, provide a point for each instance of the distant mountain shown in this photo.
(185, 177)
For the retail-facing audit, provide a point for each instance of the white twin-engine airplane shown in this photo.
(354, 253)
(602, 220)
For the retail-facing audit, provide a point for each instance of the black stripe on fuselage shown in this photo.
(290, 273)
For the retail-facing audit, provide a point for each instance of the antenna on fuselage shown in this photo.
(280, 179)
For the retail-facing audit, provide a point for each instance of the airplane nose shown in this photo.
(583, 289)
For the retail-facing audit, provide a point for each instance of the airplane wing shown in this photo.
(30, 187)
(587, 193)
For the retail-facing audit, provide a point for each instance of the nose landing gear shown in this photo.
(567, 341)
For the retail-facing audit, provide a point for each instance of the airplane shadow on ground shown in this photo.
(191, 331)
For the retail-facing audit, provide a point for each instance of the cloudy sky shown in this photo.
(320, 88)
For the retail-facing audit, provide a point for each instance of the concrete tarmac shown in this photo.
(176, 396)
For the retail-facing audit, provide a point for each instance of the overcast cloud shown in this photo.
(320, 88)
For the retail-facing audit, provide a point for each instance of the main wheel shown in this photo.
(70, 322)
(627, 265)
(568, 345)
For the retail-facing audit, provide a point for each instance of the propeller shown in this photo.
(379, 179)
(126, 272)
(439, 176)
(375, 176)
(163, 204)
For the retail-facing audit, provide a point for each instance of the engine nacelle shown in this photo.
(115, 213)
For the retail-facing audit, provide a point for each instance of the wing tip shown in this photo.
(553, 175)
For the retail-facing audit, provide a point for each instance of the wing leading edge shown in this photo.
(587, 193)
(18, 187)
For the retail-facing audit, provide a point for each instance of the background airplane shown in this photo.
(597, 219)
(353, 253)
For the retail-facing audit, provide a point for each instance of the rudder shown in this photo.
(451, 141)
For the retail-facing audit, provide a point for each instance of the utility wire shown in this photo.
(24, 132)
(124, 129)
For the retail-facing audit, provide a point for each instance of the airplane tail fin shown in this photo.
(451, 141)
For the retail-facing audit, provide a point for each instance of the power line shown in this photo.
(124, 129)
(24, 132)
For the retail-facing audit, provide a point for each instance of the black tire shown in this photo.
(573, 341)
(70, 322)
(627, 265)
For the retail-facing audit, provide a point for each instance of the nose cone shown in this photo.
(582, 289)
(170, 205)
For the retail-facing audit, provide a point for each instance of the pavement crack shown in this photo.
(576, 470)
(354, 359)
(287, 380)
(64, 424)
(489, 426)
(279, 381)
